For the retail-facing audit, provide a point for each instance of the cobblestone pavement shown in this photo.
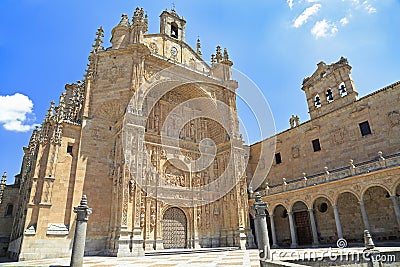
(210, 259)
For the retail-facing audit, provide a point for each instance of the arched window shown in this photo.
(342, 89)
(174, 30)
(329, 95)
(317, 101)
(10, 209)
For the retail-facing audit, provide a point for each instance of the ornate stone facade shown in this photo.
(339, 173)
(104, 140)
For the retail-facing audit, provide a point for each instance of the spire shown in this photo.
(98, 41)
(50, 111)
(2, 185)
(140, 20)
(4, 178)
(124, 21)
(226, 60)
(198, 47)
(212, 59)
(218, 55)
(226, 56)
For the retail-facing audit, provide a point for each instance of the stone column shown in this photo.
(78, 248)
(292, 230)
(260, 225)
(273, 233)
(364, 215)
(313, 228)
(195, 229)
(396, 208)
(337, 221)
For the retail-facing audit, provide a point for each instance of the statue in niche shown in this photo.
(294, 121)
(156, 123)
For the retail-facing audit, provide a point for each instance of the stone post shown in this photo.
(313, 228)
(396, 208)
(364, 215)
(78, 248)
(292, 230)
(261, 229)
(273, 233)
(337, 221)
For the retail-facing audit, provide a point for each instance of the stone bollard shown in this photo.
(370, 252)
(261, 229)
(369, 244)
(78, 248)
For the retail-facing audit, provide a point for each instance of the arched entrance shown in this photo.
(302, 223)
(174, 228)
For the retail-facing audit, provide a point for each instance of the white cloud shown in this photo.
(13, 112)
(323, 28)
(307, 13)
(344, 21)
(370, 9)
(290, 3)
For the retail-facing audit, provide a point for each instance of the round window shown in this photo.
(323, 207)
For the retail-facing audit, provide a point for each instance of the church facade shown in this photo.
(140, 138)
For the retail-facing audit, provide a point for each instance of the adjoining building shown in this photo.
(337, 174)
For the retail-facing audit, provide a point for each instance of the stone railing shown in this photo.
(327, 175)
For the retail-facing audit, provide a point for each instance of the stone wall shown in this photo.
(339, 135)
(9, 198)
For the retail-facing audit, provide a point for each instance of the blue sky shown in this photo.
(45, 44)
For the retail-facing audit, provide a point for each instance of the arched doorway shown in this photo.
(174, 228)
(302, 223)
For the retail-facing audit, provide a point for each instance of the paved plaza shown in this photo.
(225, 258)
(247, 258)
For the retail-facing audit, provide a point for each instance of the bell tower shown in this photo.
(329, 88)
(172, 25)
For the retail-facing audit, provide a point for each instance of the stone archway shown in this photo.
(325, 220)
(302, 223)
(350, 217)
(174, 228)
(282, 228)
(381, 216)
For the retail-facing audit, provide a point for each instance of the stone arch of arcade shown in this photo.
(321, 214)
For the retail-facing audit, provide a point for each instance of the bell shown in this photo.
(343, 89)
(317, 101)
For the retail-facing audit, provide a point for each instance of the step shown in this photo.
(188, 251)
